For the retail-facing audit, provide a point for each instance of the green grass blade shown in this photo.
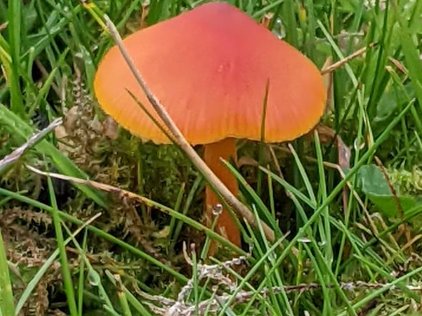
(7, 304)
(14, 28)
(41, 272)
(66, 273)
(412, 57)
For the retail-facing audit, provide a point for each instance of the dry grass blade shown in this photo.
(3, 26)
(180, 140)
(18, 152)
(97, 185)
(124, 194)
(390, 186)
(345, 60)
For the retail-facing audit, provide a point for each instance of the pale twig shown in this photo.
(180, 140)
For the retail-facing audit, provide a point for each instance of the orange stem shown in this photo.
(226, 149)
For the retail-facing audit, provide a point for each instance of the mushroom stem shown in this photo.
(226, 149)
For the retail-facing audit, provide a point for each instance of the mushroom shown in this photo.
(213, 68)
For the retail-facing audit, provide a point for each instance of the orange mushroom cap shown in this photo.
(210, 67)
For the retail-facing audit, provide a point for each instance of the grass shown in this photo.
(346, 212)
